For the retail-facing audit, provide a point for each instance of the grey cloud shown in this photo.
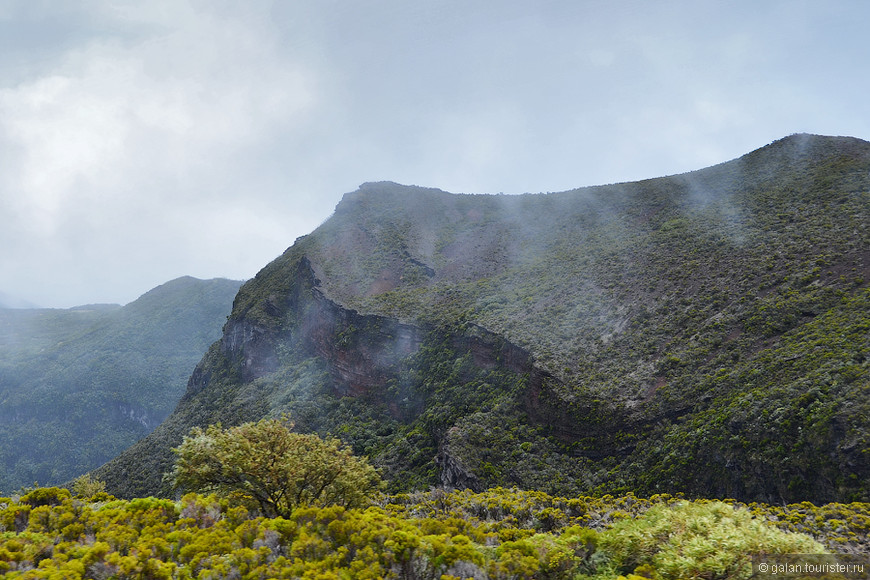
(145, 140)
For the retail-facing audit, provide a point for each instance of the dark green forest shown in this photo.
(80, 385)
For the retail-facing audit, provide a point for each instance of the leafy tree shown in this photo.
(86, 487)
(279, 469)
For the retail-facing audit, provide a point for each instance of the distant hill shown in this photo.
(9, 301)
(80, 385)
(704, 333)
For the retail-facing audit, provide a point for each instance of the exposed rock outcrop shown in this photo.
(455, 475)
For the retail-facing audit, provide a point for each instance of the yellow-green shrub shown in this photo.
(697, 540)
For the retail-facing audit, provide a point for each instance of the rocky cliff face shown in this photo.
(678, 334)
(366, 358)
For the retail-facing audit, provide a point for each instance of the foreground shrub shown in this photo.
(212, 537)
(277, 468)
(707, 540)
(45, 496)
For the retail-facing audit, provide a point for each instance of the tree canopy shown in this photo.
(274, 466)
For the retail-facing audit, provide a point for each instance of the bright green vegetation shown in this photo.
(498, 534)
(704, 333)
(273, 468)
(78, 386)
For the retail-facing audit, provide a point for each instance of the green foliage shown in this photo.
(278, 469)
(79, 386)
(781, 411)
(434, 535)
(45, 496)
(86, 487)
(707, 540)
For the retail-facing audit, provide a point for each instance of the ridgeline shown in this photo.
(704, 333)
(80, 385)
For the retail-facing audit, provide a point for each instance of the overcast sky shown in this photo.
(145, 140)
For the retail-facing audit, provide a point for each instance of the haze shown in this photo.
(142, 141)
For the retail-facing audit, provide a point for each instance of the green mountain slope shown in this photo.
(78, 386)
(704, 333)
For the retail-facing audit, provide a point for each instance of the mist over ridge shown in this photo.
(691, 333)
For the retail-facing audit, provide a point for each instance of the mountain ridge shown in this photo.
(649, 313)
(79, 385)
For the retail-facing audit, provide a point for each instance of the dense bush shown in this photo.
(499, 534)
(703, 540)
(278, 469)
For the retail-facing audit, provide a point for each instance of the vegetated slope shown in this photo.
(704, 333)
(79, 386)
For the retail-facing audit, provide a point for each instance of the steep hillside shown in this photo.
(704, 333)
(78, 386)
